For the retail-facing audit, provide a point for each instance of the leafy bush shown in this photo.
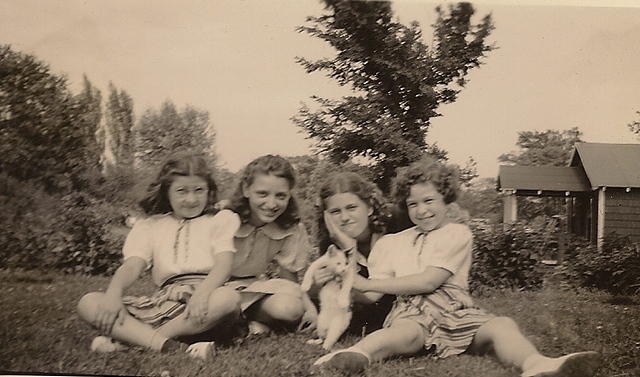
(76, 232)
(614, 268)
(507, 258)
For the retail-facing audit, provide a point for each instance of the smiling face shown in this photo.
(350, 213)
(426, 207)
(188, 196)
(268, 197)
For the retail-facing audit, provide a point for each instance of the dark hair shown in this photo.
(269, 164)
(426, 170)
(349, 182)
(156, 200)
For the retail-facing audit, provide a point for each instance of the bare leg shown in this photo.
(130, 331)
(503, 337)
(404, 337)
(224, 301)
(278, 308)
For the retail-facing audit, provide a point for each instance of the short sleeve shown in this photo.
(226, 225)
(294, 255)
(138, 242)
(451, 249)
(379, 262)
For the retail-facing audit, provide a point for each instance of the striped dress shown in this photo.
(448, 315)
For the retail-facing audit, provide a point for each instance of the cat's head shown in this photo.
(337, 260)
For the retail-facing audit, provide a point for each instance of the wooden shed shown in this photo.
(601, 185)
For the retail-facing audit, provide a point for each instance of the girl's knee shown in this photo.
(411, 332)
(284, 307)
(502, 324)
(88, 304)
(224, 300)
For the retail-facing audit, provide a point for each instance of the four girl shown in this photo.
(214, 265)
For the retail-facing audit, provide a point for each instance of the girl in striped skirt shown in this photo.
(188, 245)
(427, 267)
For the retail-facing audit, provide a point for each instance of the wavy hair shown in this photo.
(156, 199)
(368, 192)
(268, 164)
(443, 177)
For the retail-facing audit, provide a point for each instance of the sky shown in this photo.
(556, 67)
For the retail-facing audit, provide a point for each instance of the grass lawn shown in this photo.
(40, 332)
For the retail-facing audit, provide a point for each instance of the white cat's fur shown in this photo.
(335, 296)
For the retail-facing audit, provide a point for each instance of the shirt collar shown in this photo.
(271, 230)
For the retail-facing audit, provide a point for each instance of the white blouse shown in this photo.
(411, 252)
(173, 247)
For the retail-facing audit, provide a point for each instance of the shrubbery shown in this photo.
(614, 268)
(507, 258)
(73, 232)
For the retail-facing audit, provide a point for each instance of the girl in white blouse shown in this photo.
(427, 267)
(188, 245)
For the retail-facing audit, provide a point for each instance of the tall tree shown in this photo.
(398, 81)
(43, 132)
(118, 139)
(159, 133)
(90, 102)
(546, 148)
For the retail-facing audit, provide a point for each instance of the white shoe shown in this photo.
(105, 344)
(579, 364)
(257, 328)
(202, 350)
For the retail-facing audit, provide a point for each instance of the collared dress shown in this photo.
(448, 315)
(260, 252)
(180, 253)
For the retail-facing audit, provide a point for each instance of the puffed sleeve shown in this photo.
(226, 224)
(379, 262)
(138, 242)
(452, 249)
(294, 255)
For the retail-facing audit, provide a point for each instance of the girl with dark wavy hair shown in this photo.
(273, 246)
(188, 245)
(352, 215)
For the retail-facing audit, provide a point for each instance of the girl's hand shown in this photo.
(198, 305)
(322, 275)
(360, 283)
(342, 240)
(110, 312)
(222, 204)
(309, 320)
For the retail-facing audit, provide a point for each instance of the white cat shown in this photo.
(335, 296)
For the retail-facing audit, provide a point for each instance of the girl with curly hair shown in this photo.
(352, 215)
(272, 246)
(188, 245)
(427, 267)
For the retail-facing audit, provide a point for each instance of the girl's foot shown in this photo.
(258, 329)
(350, 359)
(202, 350)
(579, 364)
(105, 344)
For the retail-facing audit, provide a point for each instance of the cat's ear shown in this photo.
(331, 251)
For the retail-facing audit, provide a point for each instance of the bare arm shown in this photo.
(126, 275)
(219, 274)
(416, 284)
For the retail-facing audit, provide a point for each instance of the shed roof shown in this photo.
(611, 165)
(546, 178)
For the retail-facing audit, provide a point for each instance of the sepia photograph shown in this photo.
(322, 188)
